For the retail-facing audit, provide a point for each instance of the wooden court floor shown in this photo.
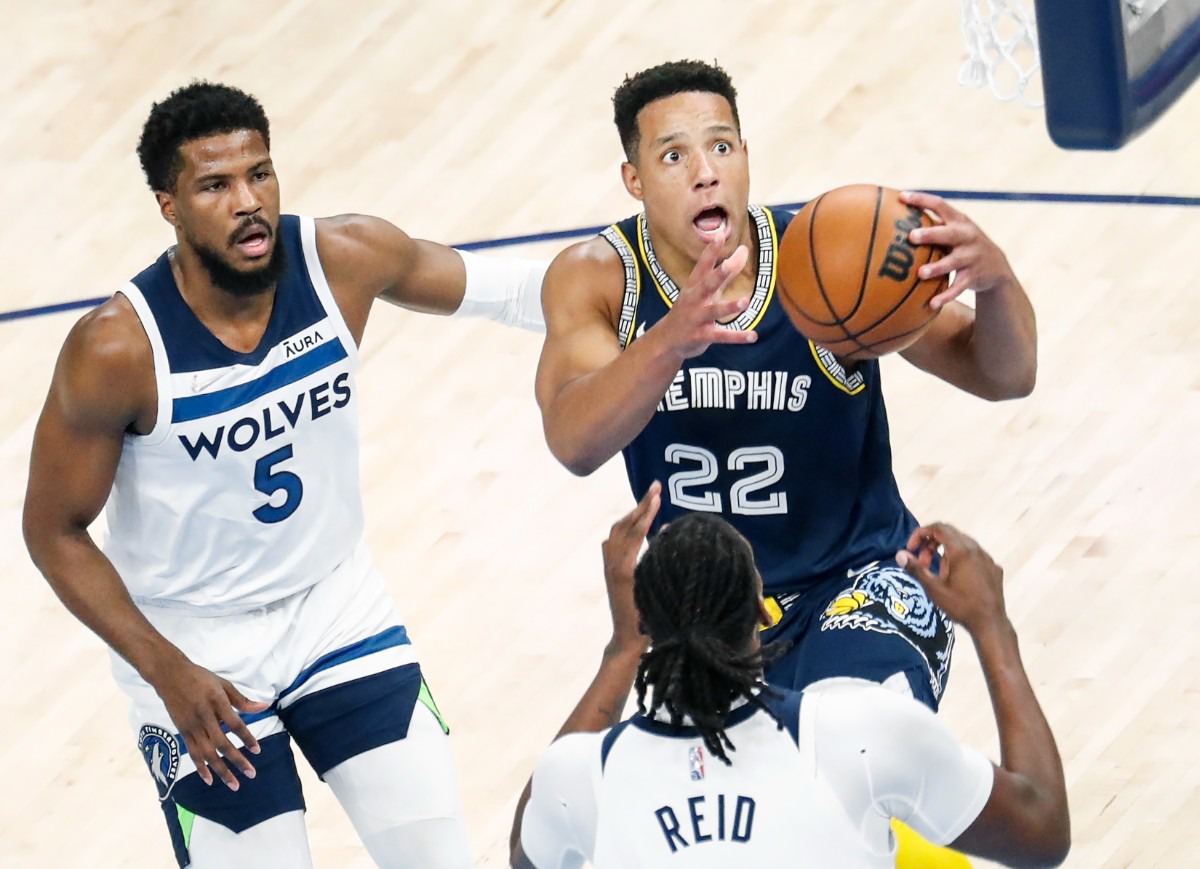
(463, 120)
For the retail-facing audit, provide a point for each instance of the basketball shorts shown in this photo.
(337, 667)
(873, 623)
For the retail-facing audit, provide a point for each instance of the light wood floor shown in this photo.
(473, 120)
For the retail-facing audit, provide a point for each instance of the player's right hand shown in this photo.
(620, 552)
(692, 325)
(199, 702)
(969, 585)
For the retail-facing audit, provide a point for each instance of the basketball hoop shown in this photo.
(1001, 41)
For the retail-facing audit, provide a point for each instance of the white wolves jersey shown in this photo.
(247, 489)
(820, 791)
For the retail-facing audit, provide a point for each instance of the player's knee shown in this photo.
(436, 843)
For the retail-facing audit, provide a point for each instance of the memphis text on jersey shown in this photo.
(707, 387)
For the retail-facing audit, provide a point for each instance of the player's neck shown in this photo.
(237, 320)
(679, 265)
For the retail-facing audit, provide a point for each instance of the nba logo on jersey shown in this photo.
(696, 763)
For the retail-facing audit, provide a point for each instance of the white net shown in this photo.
(1001, 41)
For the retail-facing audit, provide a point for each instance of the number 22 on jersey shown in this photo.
(692, 489)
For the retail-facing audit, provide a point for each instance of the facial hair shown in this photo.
(238, 282)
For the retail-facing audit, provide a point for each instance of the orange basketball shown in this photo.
(848, 273)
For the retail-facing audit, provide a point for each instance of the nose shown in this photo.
(246, 199)
(703, 172)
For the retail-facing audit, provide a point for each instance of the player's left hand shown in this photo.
(976, 260)
(620, 559)
(969, 585)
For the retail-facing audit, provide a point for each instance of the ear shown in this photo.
(745, 147)
(166, 207)
(633, 183)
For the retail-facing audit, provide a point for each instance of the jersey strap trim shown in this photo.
(162, 366)
(312, 259)
(851, 383)
(687, 731)
(633, 282)
(764, 283)
(610, 739)
(212, 403)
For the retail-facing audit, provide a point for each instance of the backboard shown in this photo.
(1111, 67)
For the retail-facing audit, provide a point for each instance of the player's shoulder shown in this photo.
(570, 757)
(589, 273)
(865, 712)
(348, 236)
(593, 258)
(110, 337)
(105, 371)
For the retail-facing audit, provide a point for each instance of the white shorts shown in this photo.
(334, 661)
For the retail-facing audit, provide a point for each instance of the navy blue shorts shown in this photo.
(871, 624)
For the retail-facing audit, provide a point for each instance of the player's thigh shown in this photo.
(211, 825)
(278, 841)
(877, 623)
(404, 801)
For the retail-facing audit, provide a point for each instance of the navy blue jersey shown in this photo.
(777, 436)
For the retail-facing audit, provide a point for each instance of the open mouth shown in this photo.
(253, 240)
(711, 220)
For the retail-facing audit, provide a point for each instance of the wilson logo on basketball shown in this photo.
(898, 261)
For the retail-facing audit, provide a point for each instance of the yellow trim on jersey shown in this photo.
(641, 234)
(770, 294)
(833, 378)
(637, 287)
(774, 269)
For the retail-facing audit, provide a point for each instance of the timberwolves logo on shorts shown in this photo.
(884, 598)
(160, 748)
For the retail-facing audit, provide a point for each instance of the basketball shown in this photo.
(848, 273)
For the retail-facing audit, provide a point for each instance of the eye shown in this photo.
(672, 157)
(723, 148)
(262, 175)
(214, 186)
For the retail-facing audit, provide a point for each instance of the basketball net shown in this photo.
(1001, 41)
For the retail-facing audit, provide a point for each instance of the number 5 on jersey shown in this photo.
(743, 497)
(269, 481)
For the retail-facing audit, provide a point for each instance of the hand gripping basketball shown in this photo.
(851, 277)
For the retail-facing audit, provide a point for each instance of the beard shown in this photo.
(243, 283)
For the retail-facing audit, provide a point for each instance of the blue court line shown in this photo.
(564, 234)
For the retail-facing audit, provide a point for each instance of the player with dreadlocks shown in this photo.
(699, 595)
(808, 778)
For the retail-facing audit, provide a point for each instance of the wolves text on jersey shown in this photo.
(274, 420)
(707, 387)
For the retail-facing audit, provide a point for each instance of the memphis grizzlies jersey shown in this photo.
(247, 489)
(777, 436)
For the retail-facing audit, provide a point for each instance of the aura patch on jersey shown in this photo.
(885, 599)
(160, 750)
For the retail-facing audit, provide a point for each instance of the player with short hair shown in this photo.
(665, 342)
(717, 769)
(212, 403)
